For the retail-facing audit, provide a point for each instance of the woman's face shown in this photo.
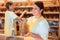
(36, 11)
(11, 7)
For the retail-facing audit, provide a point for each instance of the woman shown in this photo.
(10, 16)
(38, 26)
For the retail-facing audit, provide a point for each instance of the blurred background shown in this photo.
(51, 14)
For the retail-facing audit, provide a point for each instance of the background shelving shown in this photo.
(51, 13)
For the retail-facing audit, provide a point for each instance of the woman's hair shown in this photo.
(40, 5)
(8, 4)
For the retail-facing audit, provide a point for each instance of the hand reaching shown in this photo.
(24, 12)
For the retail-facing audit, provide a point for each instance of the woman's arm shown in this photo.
(34, 36)
(21, 15)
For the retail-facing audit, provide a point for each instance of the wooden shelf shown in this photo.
(52, 19)
(46, 12)
(52, 5)
(51, 37)
(31, 12)
(2, 12)
(17, 13)
(54, 26)
(28, 6)
(51, 12)
(32, 6)
(3, 18)
(2, 7)
(1, 31)
(26, 13)
(23, 6)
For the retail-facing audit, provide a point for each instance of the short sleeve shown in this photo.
(12, 15)
(42, 29)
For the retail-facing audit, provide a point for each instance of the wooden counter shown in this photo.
(2, 37)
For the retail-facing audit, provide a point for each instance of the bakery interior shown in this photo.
(51, 14)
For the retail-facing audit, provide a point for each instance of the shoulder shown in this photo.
(44, 23)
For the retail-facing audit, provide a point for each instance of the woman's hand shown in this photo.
(23, 14)
(28, 34)
(37, 37)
